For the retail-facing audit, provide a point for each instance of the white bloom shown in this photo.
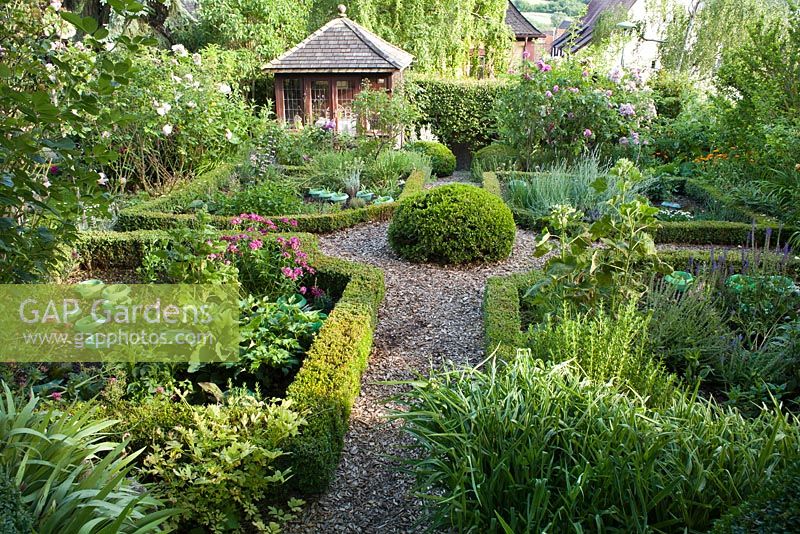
(109, 46)
(123, 181)
(103, 180)
(180, 50)
(80, 46)
(176, 79)
(105, 134)
(188, 77)
(224, 88)
(191, 104)
(198, 59)
(66, 31)
(55, 4)
(162, 108)
(228, 135)
(50, 67)
(167, 129)
(46, 183)
(57, 46)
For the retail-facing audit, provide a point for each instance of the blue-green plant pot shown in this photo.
(339, 197)
(117, 293)
(88, 324)
(383, 200)
(315, 193)
(680, 280)
(326, 195)
(365, 195)
(90, 288)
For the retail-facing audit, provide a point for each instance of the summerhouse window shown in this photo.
(293, 100)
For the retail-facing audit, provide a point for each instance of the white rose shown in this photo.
(167, 129)
(224, 88)
(180, 50)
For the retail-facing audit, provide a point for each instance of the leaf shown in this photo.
(212, 389)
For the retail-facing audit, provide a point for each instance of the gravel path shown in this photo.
(430, 315)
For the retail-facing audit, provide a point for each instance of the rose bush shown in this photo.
(563, 108)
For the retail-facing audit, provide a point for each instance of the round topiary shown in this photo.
(443, 161)
(455, 223)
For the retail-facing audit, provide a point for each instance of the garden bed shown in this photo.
(745, 227)
(164, 212)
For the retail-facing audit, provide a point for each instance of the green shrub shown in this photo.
(531, 447)
(774, 509)
(384, 173)
(495, 157)
(15, 518)
(223, 466)
(73, 479)
(492, 184)
(454, 223)
(443, 161)
(270, 198)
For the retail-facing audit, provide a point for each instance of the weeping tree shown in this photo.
(701, 32)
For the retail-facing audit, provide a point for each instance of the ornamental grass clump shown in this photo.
(453, 224)
(535, 447)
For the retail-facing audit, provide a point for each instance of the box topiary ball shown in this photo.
(443, 161)
(452, 224)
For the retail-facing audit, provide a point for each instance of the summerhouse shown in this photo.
(317, 80)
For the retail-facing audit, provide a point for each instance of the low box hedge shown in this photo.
(502, 317)
(157, 214)
(685, 232)
(330, 377)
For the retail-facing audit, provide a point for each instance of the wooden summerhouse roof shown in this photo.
(520, 26)
(582, 36)
(341, 46)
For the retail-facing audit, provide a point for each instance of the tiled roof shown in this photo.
(341, 45)
(522, 27)
(588, 22)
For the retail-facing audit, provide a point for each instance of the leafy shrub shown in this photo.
(15, 518)
(560, 110)
(543, 447)
(774, 509)
(606, 346)
(454, 223)
(272, 197)
(220, 469)
(383, 174)
(71, 478)
(495, 157)
(443, 161)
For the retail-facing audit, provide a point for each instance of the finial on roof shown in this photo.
(342, 10)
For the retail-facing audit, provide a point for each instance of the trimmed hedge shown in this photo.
(329, 379)
(443, 161)
(453, 224)
(686, 232)
(460, 112)
(156, 214)
(493, 157)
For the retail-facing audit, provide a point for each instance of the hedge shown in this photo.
(459, 112)
(502, 318)
(694, 232)
(492, 184)
(330, 377)
(156, 214)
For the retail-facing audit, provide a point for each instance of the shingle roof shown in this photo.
(341, 45)
(522, 27)
(583, 35)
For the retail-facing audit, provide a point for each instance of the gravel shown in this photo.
(431, 314)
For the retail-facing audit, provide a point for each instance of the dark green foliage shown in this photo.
(454, 223)
(443, 161)
(775, 509)
(502, 319)
(267, 198)
(458, 111)
(14, 515)
(712, 233)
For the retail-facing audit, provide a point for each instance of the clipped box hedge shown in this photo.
(723, 233)
(158, 214)
(329, 379)
(502, 317)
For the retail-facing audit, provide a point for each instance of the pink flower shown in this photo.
(293, 222)
(303, 290)
(56, 395)
(526, 54)
(548, 94)
(574, 90)
(555, 88)
(160, 390)
(609, 93)
(587, 133)
(255, 244)
(585, 74)
(317, 292)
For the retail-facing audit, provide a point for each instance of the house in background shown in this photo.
(527, 38)
(638, 47)
(317, 80)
